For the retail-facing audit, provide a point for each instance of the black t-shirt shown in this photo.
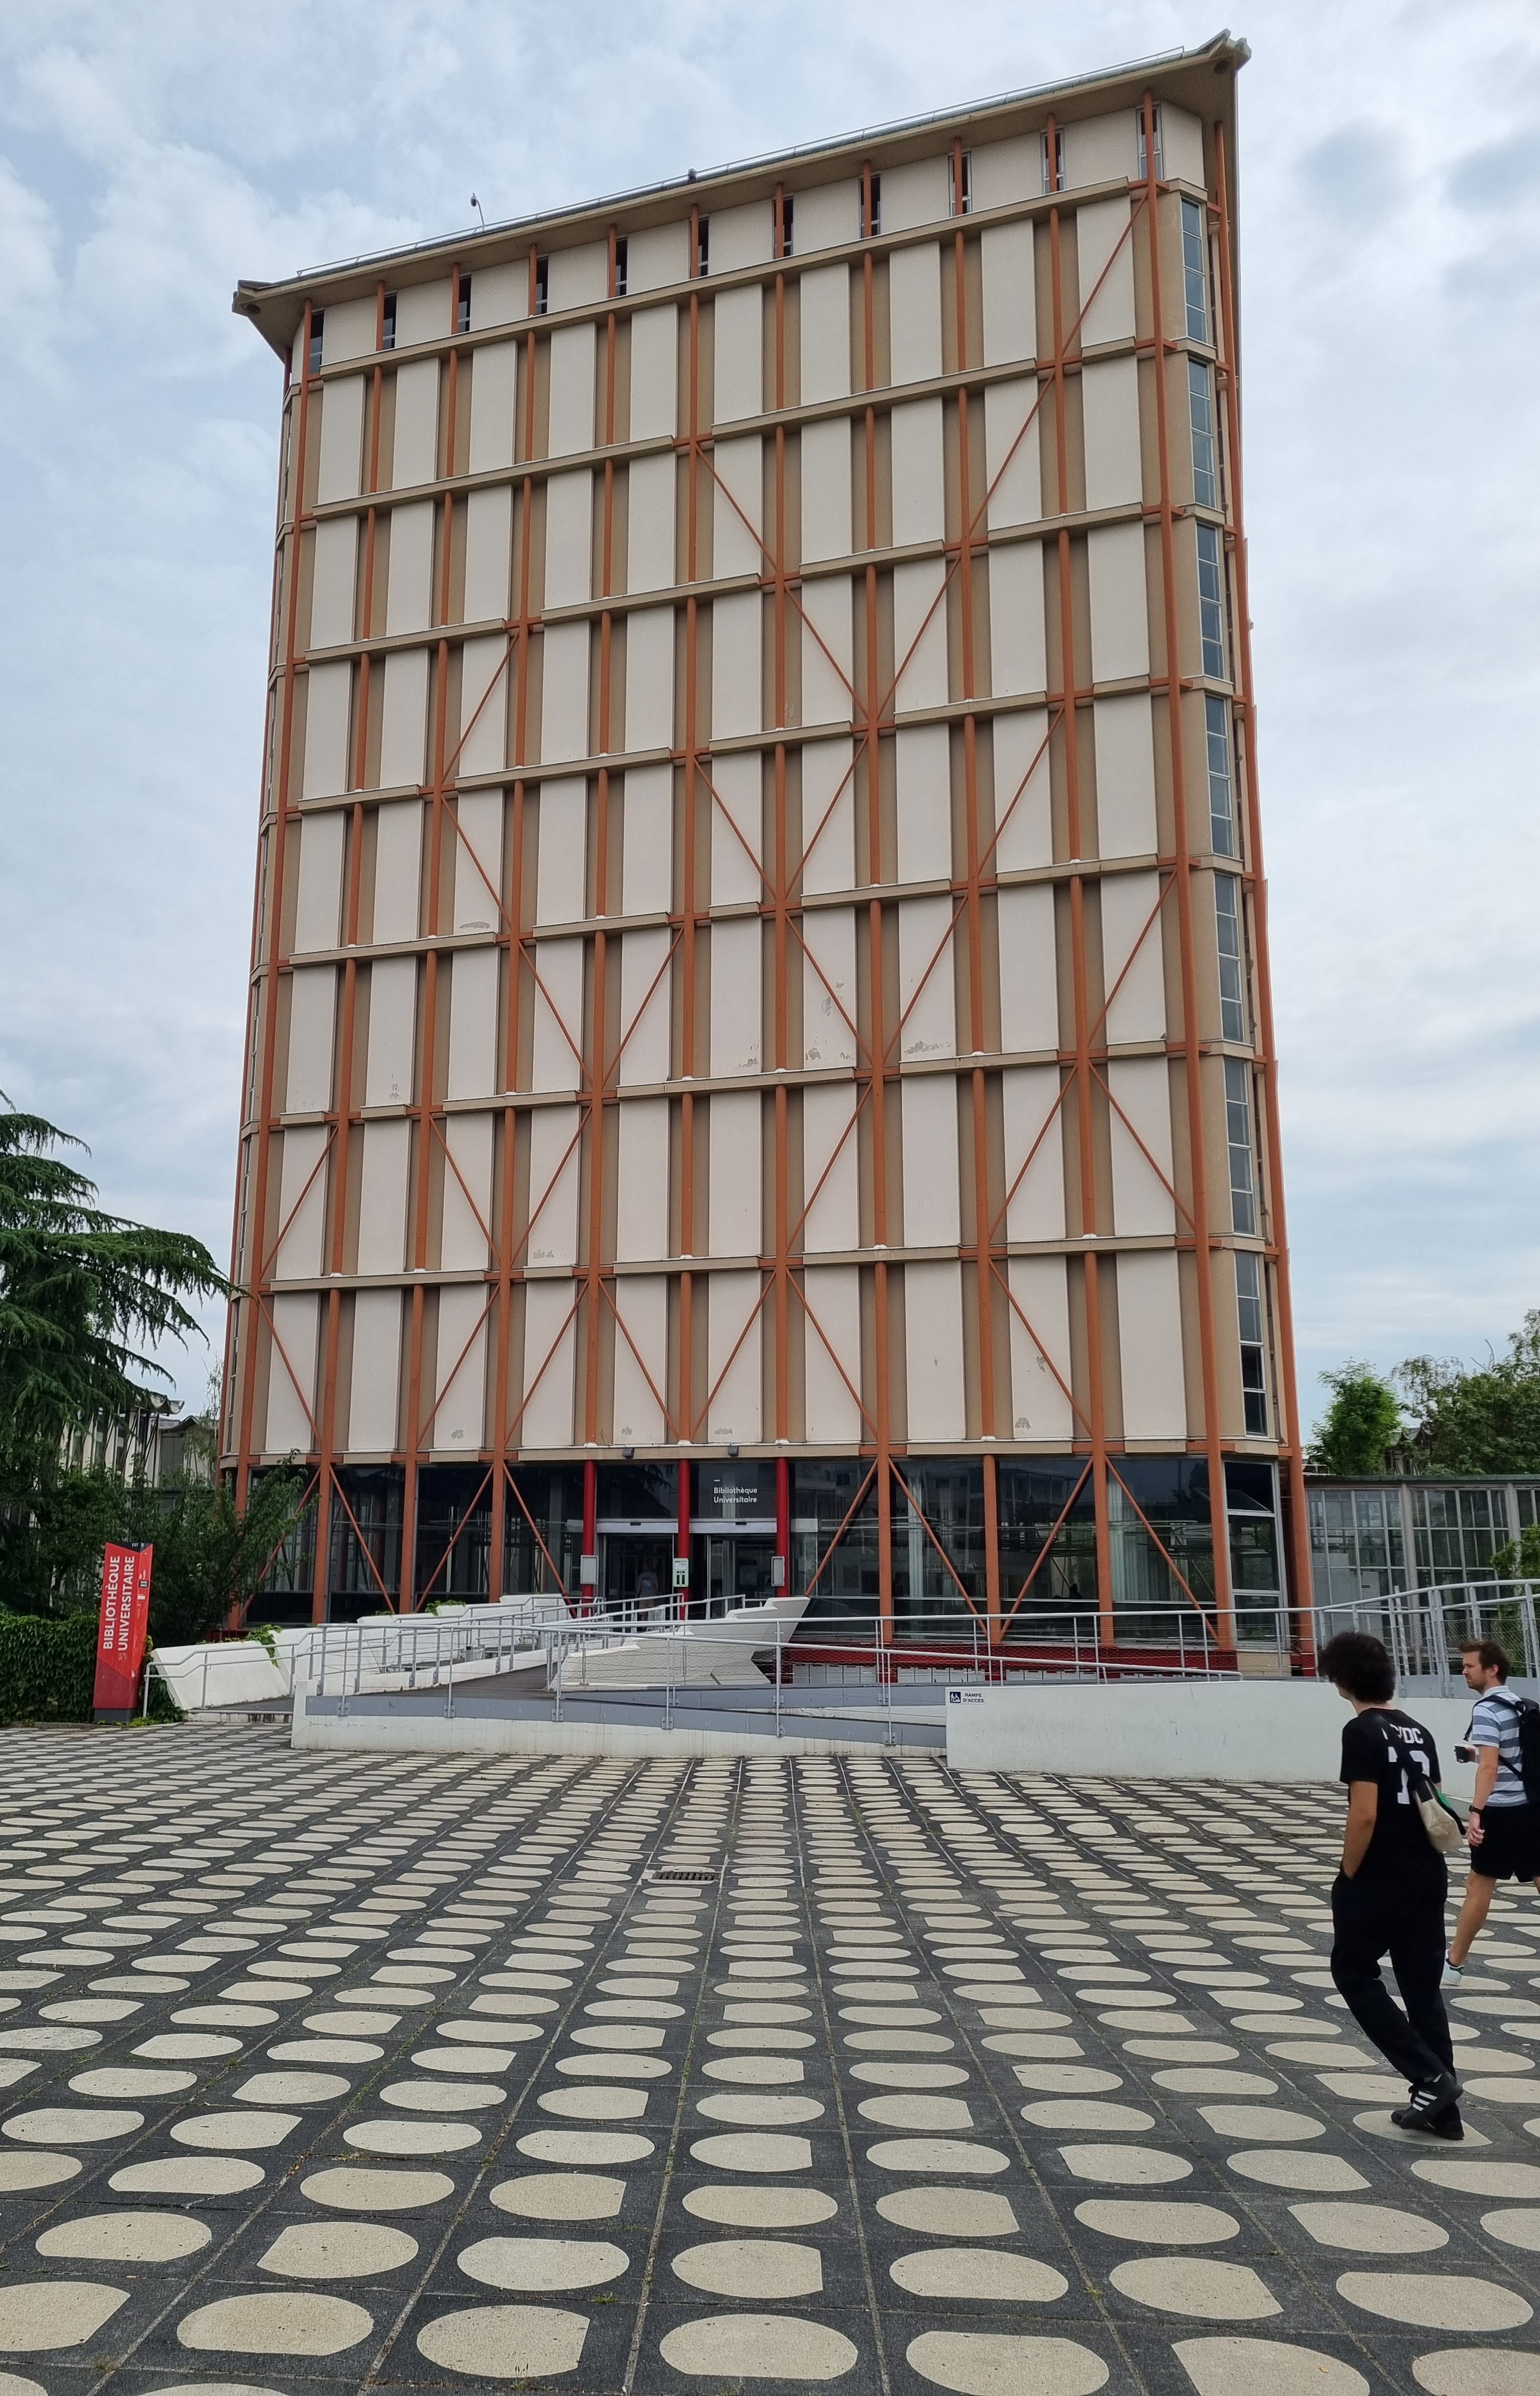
(1389, 1749)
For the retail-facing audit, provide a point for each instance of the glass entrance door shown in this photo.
(737, 1568)
(635, 1572)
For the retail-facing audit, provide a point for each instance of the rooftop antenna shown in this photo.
(477, 206)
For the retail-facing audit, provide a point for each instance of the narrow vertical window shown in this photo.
(1221, 777)
(1254, 1369)
(1195, 272)
(1238, 1125)
(1205, 477)
(783, 226)
(1159, 146)
(317, 328)
(703, 246)
(876, 224)
(1211, 600)
(961, 183)
(1053, 160)
(1232, 958)
(622, 262)
(388, 322)
(462, 304)
(542, 285)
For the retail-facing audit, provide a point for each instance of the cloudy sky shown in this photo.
(1389, 179)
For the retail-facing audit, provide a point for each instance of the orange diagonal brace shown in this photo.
(924, 1521)
(1014, 1305)
(1047, 1549)
(844, 1526)
(455, 1535)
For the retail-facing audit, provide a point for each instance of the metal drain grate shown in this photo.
(695, 1876)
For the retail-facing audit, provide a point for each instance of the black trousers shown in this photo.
(1401, 1915)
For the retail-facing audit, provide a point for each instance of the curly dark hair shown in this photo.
(1358, 1664)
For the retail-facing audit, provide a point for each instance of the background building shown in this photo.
(760, 1047)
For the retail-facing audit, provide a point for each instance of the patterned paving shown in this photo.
(346, 2072)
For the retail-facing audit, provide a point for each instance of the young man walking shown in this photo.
(1504, 1833)
(1388, 1897)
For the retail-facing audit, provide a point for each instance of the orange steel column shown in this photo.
(688, 894)
(983, 1255)
(780, 1057)
(343, 1111)
(1202, 1225)
(268, 974)
(594, 1274)
(1292, 1440)
(1084, 1081)
(427, 1057)
(503, 1256)
(876, 1029)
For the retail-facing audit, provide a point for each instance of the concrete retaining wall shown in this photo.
(414, 1731)
(1166, 1730)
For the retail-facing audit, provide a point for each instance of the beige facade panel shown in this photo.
(1029, 969)
(472, 1071)
(1131, 929)
(565, 693)
(572, 353)
(389, 1075)
(736, 824)
(734, 1206)
(398, 870)
(929, 1108)
(1125, 777)
(1149, 1344)
(1105, 245)
(1143, 1171)
(923, 785)
(556, 1181)
(737, 497)
(641, 1182)
(737, 665)
(488, 553)
(641, 1360)
(334, 576)
(483, 707)
(650, 529)
(826, 490)
(558, 1009)
(828, 216)
(734, 1360)
(646, 997)
(927, 1004)
(291, 1376)
(382, 1196)
(657, 256)
(914, 308)
(1023, 803)
(653, 369)
(312, 1026)
(737, 354)
(920, 634)
(828, 815)
(831, 1171)
(1109, 399)
(425, 312)
(1019, 642)
(1011, 454)
(579, 278)
(404, 719)
(349, 331)
(824, 328)
(829, 987)
(1009, 281)
(827, 651)
(932, 1349)
(1119, 609)
(1042, 1370)
(569, 539)
(328, 715)
(318, 903)
(650, 678)
(916, 193)
(736, 1033)
(415, 453)
(499, 295)
(341, 452)
(301, 1203)
(374, 1410)
(1100, 149)
(1033, 1118)
(832, 1341)
(1004, 173)
(740, 236)
(919, 472)
(493, 400)
(409, 591)
(560, 878)
(459, 1382)
(464, 1244)
(647, 863)
(545, 1406)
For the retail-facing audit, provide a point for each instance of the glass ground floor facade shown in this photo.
(620, 1536)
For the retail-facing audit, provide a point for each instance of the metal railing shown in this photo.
(1423, 1628)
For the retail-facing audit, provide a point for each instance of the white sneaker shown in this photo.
(1452, 1975)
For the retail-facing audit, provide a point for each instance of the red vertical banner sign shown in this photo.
(121, 1634)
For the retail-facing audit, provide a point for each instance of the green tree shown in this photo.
(1362, 1421)
(80, 1293)
(1482, 1419)
(210, 1557)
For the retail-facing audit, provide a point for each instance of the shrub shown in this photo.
(47, 1669)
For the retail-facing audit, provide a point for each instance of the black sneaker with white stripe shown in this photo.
(1433, 2107)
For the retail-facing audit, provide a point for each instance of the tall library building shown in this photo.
(760, 1069)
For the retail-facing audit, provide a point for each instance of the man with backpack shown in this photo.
(1503, 1830)
(1388, 1897)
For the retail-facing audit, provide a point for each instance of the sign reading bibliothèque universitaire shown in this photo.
(121, 1633)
